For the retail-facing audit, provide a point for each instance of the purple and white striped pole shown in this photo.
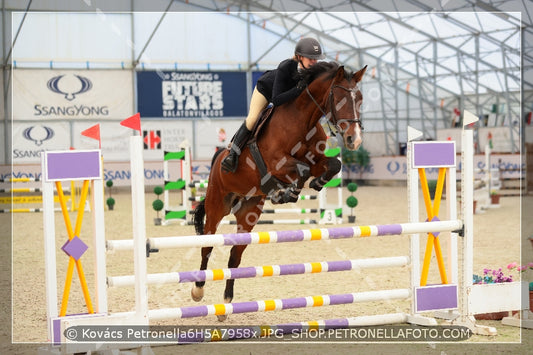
(261, 271)
(276, 304)
(291, 235)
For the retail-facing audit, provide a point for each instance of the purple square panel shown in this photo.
(436, 297)
(72, 165)
(433, 154)
(74, 247)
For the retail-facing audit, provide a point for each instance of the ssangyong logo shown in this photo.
(38, 134)
(54, 85)
(70, 86)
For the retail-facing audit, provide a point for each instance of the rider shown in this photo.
(277, 86)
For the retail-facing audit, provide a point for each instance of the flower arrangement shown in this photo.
(491, 276)
(497, 276)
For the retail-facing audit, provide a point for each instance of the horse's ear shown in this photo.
(359, 75)
(340, 73)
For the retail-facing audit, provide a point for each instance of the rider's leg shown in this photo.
(257, 103)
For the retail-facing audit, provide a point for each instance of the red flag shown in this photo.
(94, 133)
(133, 122)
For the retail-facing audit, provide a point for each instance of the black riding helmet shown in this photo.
(310, 48)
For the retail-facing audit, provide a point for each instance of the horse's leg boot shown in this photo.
(291, 194)
(230, 163)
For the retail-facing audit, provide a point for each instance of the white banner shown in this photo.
(395, 167)
(30, 139)
(90, 94)
(114, 138)
(158, 136)
(161, 136)
(211, 134)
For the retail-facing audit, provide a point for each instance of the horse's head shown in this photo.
(343, 107)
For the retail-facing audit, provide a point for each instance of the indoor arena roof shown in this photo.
(441, 56)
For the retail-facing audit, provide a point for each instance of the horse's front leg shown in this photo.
(291, 193)
(324, 172)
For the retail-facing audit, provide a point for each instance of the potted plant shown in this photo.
(109, 184)
(351, 201)
(358, 160)
(432, 186)
(110, 203)
(494, 197)
(158, 205)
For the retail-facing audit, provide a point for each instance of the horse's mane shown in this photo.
(313, 72)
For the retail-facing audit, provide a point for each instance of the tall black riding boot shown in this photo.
(229, 164)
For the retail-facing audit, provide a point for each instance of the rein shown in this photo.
(332, 110)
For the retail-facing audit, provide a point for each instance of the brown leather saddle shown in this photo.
(261, 123)
(269, 183)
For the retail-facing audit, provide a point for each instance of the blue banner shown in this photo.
(191, 95)
(255, 76)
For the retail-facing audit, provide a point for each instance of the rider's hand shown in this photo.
(301, 85)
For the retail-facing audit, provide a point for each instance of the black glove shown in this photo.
(301, 85)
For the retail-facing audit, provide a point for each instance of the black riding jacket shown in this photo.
(279, 85)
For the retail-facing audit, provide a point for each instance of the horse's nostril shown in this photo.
(349, 139)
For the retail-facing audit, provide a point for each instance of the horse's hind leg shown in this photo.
(197, 292)
(247, 213)
(214, 212)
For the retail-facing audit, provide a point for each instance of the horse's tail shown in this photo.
(199, 211)
(198, 218)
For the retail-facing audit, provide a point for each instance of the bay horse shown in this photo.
(292, 146)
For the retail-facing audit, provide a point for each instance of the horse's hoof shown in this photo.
(292, 199)
(277, 197)
(223, 317)
(197, 293)
(314, 185)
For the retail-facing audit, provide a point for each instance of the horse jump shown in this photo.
(142, 315)
(141, 278)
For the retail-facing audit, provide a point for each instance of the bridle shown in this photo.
(336, 122)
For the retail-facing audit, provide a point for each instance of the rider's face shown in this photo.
(307, 62)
